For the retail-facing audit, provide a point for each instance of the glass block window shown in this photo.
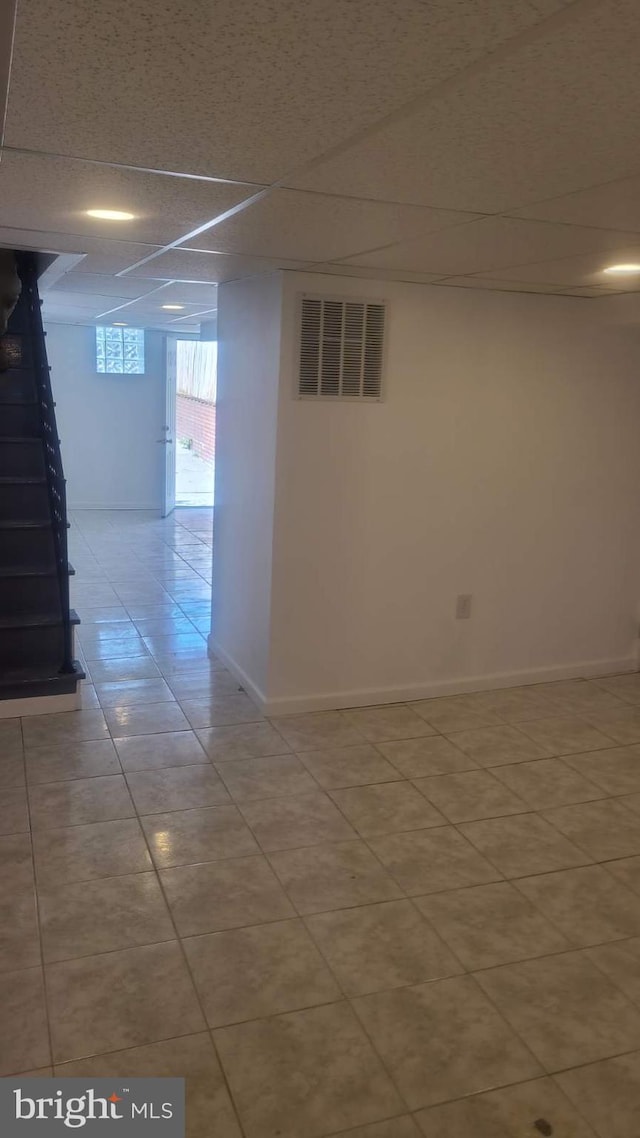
(119, 351)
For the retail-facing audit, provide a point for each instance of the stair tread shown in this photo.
(24, 675)
(29, 571)
(39, 620)
(34, 674)
(22, 480)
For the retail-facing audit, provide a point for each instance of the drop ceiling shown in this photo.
(487, 144)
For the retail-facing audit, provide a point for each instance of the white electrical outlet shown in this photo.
(463, 606)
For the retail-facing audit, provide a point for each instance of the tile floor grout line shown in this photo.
(108, 951)
(135, 1047)
(272, 1015)
(189, 971)
(487, 856)
(43, 971)
(355, 838)
(570, 950)
(593, 1063)
(179, 671)
(575, 841)
(405, 895)
(239, 803)
(552, 921)
(500, 1015)
(93, 880)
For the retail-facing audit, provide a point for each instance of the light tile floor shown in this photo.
(391, 922)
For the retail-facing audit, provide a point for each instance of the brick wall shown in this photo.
(196, 420)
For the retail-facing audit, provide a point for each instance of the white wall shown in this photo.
(108, 424)
(504, 462)
(249, 314)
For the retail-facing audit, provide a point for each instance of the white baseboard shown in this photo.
(39, 705)
(241, 676)
(329, 701)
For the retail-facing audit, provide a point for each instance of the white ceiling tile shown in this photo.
(85, 302)
(498, 286)
(311, 226)
(7, 11)
(102, 285)
(199, 265)
(239, 88)
(549, 118)
(61, 308)
(207, 315)
(491, 244)
(198, 295)
(593, 292)
(373, 274)
(543, 122)
(55, 193)
(105, 256)
(112, 257)
(614, 205)
(182, 292)
(66, 316)
(153, 306)
(587, 270)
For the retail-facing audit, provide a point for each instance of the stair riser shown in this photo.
(18, 420)
(16, 386)
(20, 647)
(21, 596)
(19, 321)
(26, 696)
(32, 547)
(22, 459)
(20, 344)
(24, 503)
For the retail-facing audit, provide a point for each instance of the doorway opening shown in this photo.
(195, 422)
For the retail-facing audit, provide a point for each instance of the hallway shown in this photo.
(326, 922)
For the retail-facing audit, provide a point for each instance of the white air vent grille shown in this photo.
(341, 348)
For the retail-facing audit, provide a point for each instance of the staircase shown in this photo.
(36, 623)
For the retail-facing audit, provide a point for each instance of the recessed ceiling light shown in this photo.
(110, 214)
(629, 268)
(120, 324)
(173, 307)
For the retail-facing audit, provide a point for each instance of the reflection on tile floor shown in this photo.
(383, 923)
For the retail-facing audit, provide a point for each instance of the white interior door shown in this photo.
(168, 441)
